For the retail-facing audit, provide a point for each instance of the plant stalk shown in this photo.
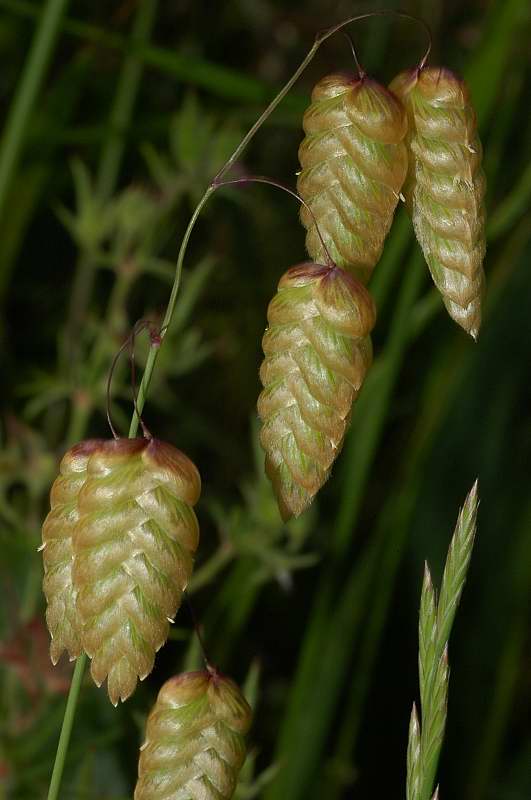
(66, 729)
(153, 353)
(109, 166)
(35, 67)
(112, 154)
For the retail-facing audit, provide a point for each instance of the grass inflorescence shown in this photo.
(126, 116)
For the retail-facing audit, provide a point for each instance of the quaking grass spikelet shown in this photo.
(134, 545)
(317, 351)
(353, 164)
(58, 553)
(195, 745)
(446, 186)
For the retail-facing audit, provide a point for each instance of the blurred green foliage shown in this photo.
(139, 106)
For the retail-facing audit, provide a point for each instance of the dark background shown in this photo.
(134, 117)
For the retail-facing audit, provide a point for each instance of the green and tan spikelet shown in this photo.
(58, 554)
(195, 745)
(317, 351)
(134, 545)
(445, 187)
(353, 164)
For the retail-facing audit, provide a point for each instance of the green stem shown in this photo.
(17, 124)
(153, 353)
(66, 729)
(208, 571)
(372, 409)
(449, 375)
(222, 81)
(505, 688)
(392, 531)
(307, 710)
(152, 357)
(112, 154)
(126, 93)
(170, 308)
(111, 158)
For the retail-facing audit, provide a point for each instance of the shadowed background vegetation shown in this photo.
(122, 118)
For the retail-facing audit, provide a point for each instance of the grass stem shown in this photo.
(33, 74)
(112, 153)
(66, 729)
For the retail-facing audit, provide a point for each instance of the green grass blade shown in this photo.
(112, 155)
(221, 81)
(370, 411)
(322, 669)
(302, 754)
(505, 693)
(512, 207)
(124, 100)
(22, 105)
(506, 17)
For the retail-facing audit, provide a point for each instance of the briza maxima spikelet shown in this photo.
(134, 546)
(446, 186)
(317, 350)
(353, 164)
(58, 554)
(195, 745)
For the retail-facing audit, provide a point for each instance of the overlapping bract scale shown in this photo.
(58, 554)
(317, 351)
(445, 187)
(353, 164)
(134, 547)
(194, 746)
(118, 550)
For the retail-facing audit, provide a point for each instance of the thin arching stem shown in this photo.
(319, 39)
(66, 730)
(197, 629)
(129, 344)
(155, 345)
(138, 328)
(361, 71)
(109, 383)
(278, 185)
(156, 341)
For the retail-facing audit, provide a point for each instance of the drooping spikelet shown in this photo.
(58, 554)
(195, 746)
(446, 186)
(134, 546)
(317, 350)
(354, 162)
